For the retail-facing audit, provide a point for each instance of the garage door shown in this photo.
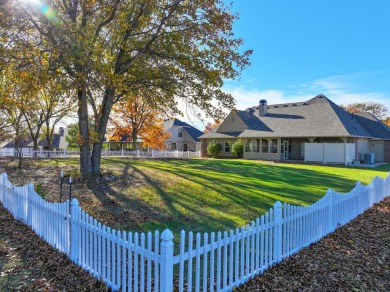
(379, 151)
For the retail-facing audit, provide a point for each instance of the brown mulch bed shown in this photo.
(356, 257)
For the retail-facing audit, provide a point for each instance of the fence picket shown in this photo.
(225, 244)
(149, 263)
(205, 266)
(197, 263)
(190, 241)
(212, 261)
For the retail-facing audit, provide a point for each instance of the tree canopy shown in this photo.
(377, 109)
(174, 50)
(133, 117)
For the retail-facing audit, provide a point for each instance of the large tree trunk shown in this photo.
(16, 143)
(101, 129)
(134, 137)
(85, 161)
(35, 146)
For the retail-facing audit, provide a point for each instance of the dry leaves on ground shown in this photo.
(27, 263)
(356, 257)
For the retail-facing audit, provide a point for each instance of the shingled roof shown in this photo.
(192, 131)
(317, 117)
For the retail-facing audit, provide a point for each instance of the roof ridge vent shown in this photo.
(285, 105)
(294, 104)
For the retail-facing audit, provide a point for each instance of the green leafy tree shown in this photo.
(72, 137)
(238, 148)
(175, 50)
(214, 148)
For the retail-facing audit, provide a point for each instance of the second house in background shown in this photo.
(184, 137)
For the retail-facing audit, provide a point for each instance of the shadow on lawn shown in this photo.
(227, 193)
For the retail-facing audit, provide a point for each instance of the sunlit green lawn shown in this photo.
(211, 195)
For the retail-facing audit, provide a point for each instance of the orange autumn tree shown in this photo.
(134, 117)
(211, 126)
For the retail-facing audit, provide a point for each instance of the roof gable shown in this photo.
(234, 122)
(191, 130)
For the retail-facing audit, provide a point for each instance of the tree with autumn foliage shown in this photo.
(175, 49)
(386, 121)
(377, 109)
(133, 116)
(12, 104)
(211, 126)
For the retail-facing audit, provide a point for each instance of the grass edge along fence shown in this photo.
(217, 262)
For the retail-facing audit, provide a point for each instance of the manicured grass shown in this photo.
(212, 195)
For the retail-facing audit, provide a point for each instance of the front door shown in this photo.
(185, 147)
(285, 149)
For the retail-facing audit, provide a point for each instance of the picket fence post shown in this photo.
(278, 221)
(329, 193)
(74, 234)
(166, 264)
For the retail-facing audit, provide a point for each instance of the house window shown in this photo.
(273, 146)
(269, 145)
(264, 146)
(180, 132)
(248, 145)
(257, 146)
(173, 146)
(227, 146)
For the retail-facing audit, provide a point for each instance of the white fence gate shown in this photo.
(217, 262)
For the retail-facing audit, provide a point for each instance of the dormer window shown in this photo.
(180, 132)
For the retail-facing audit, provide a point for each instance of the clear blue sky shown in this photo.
(340, 48)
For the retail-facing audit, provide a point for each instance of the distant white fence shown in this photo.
(217, 262)
(105, 153)
(330, 152)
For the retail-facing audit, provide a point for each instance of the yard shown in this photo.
(198, 195)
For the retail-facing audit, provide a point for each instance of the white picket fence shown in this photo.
(129, 261)
(105, 153)
(49, 220)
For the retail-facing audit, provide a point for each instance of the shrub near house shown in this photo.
(238, 148)
(214, 148)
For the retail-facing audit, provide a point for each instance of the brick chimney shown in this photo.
(262, 108)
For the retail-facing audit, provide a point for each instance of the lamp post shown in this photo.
(70, 189)
(61, 184)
